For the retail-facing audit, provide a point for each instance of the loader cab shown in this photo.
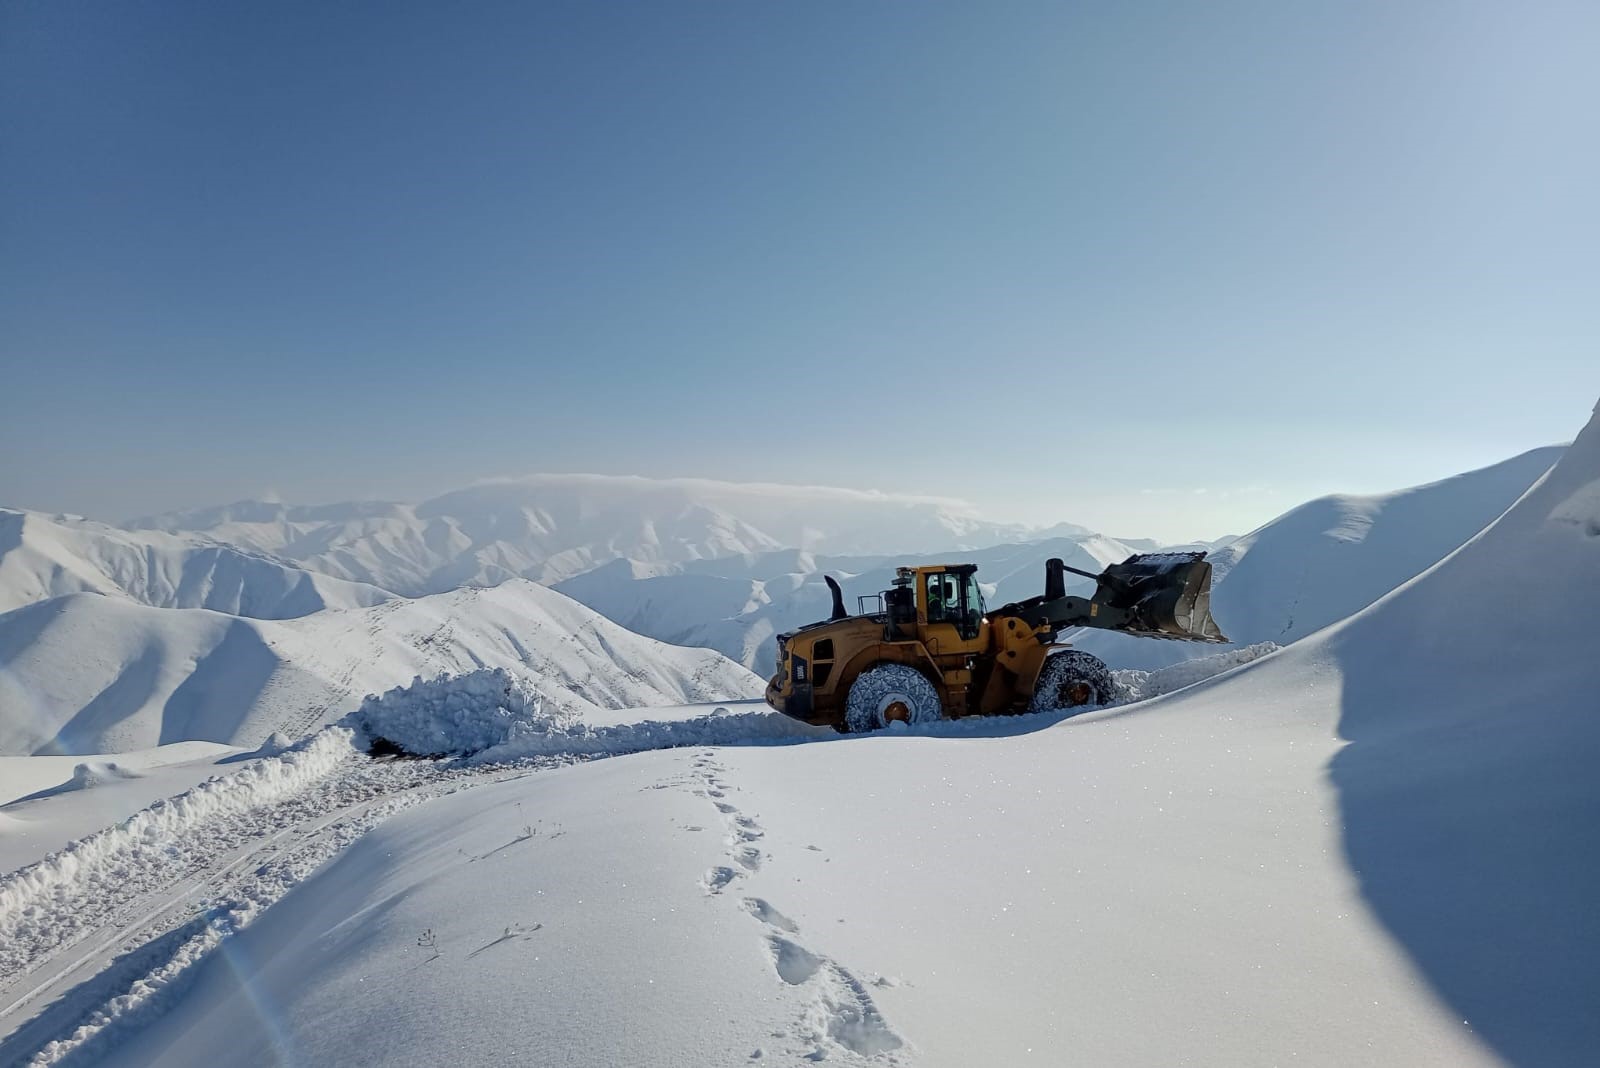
(950, 596)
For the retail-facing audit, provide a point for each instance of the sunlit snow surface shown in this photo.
(1374, 846)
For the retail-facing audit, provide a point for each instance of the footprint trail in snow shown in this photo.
(839, 1019)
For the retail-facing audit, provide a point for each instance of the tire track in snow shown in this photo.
(105, 913)
(43, 905)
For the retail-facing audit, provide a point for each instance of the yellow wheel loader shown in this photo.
(928, 648)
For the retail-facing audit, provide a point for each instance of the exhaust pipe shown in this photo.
(838, 599)
(1055, 579)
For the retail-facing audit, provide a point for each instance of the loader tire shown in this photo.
(890, 692)
(1072, 679)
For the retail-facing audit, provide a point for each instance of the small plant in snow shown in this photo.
(428, 940)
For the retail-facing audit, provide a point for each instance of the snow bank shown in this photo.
(458, 714)
(495, 716)
(1143, 685)
(105, 855)
(738, 728)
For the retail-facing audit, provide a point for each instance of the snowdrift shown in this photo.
(1471, 699)
(1333, 556)
(90, 674)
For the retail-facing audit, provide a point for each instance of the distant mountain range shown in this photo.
(43, 556)
(552, 527)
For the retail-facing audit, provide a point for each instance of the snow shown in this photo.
(951, 902)
(45, 556)
(105, 864)
(46, 802)
(1333, 556)
(494, 716)
(1138, 685)
(1308, 568)
(459, 714)
(93, 674)
(1374, 845)
(553, 527)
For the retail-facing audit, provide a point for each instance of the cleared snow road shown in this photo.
(94, 935)
(102, 935)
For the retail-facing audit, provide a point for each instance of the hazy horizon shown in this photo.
(1185, 507)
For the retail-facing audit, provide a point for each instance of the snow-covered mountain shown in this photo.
(552, 527)
(86, 673)
(44, 556)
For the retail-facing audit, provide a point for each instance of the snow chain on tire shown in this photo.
(876, 689)
(1069, 668)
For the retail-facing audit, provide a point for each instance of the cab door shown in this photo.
(952, 616)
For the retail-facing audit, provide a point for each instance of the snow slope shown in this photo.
(1333, 556)
(552, 527)
(1468, 793)
(91, 674)
(48, 556)
(1375, 846)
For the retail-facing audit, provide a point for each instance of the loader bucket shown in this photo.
(1166, 595)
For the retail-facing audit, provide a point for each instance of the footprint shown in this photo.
(713, 793)
(749, 858)
(717, 878)
(853, 1018)
(795, 963)
(725, 808)
(764, 912)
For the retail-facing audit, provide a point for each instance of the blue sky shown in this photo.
(1068, 261)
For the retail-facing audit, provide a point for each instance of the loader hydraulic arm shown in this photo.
(1154, 595)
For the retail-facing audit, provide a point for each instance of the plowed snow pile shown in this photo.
(1375, 846)
(458, 714)
(495, 716)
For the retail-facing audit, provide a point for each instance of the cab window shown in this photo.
(944, 598)
(955, 598)
(974, 599)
